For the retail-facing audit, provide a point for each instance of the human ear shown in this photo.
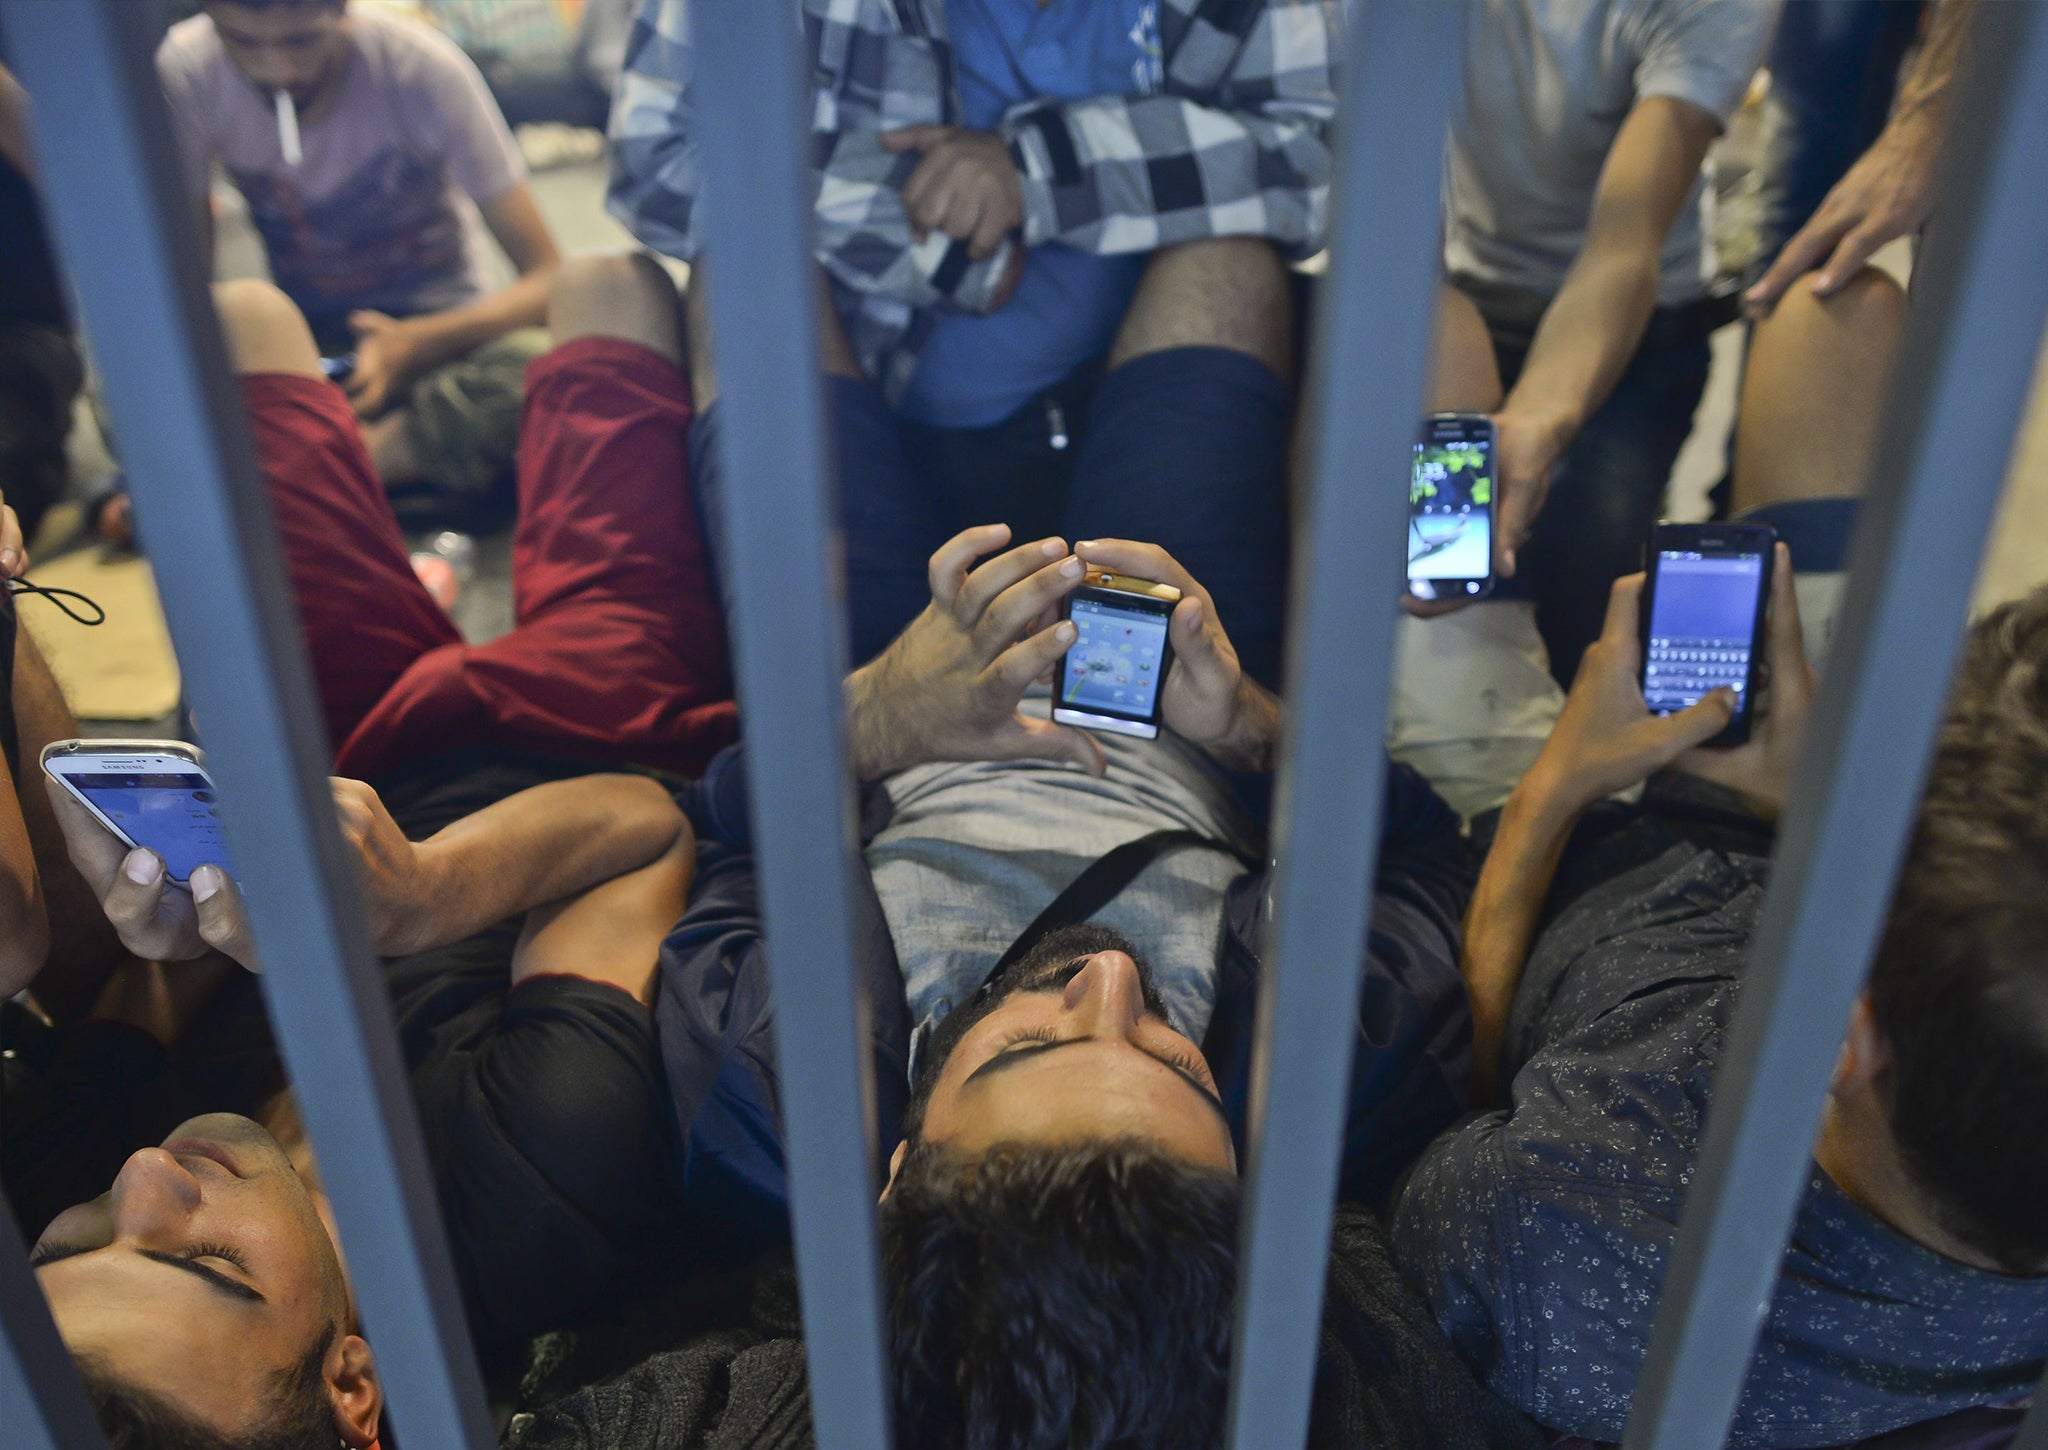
(358, 1397)
(1866, 1054)
(895, 1167)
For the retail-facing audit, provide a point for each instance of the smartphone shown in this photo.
(339, 368)
(1450, 508)
(151, 793)
(1110, 676)
(1703, 617)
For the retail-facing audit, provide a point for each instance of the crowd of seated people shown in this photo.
(1061, 340)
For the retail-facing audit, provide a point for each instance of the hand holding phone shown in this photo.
(1704, 599)
(1760, 770)
(1112, 675)
(139, 820)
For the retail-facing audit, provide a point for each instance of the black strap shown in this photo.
(1095, 888)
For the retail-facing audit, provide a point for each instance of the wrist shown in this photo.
(1250, 737)
(405, 920)
(1547, 802)
(871, 742)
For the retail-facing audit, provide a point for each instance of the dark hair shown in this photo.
(301, 1416)
(1960, 987)
(1062, 1296)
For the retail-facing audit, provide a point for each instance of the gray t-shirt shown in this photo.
(377, 214)
(1547, 85)
(974, 852)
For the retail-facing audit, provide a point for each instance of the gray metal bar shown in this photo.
(790, 656)
(123, 219)
(1969, 350)
(40, 1401)
(1365, 401)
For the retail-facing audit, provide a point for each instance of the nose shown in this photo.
(1106, 998)
(153, 1195)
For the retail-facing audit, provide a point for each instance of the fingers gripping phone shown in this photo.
(1451, 508)
(1110, 676)
(1703, 617)
(155, 794)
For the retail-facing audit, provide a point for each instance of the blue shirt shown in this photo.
(979, 369)
(1541, 1234)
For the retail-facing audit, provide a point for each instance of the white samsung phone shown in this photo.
(151, 793)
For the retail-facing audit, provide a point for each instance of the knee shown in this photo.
(1865, 314)
(1464, 375)
(619, 294)
(1227, 292)
(264, 329)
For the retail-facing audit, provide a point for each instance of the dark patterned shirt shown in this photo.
(1541, 1234)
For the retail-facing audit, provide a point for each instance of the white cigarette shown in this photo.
(288, 129)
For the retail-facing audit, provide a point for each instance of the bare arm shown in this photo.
(1590, 330)
(1606, 740)
(1500, 925)
(393, 352)
(14, 133)
(24, 924)
(543, 845)
(613, 932)
(1889, 192)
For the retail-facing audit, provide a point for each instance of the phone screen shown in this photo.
(1703, 613)
(1450, 508)
(1116, 659)
(171, 811)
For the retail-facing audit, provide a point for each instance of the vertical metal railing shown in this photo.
(1372, 345)
(1969, 349)
(789, 643)
(122, 216)
(41, 1404)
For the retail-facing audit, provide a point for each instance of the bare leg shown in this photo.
(265, 331)
(1225, 292)
(1814, 392)
(835, 353)
(625, 295)
(1463, 375)
(391, 450)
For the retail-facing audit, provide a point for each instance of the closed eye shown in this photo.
(50, 1251)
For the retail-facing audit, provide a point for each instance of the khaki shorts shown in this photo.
(463, 422)
(1474, 699)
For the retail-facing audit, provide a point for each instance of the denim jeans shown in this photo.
(1609, 487)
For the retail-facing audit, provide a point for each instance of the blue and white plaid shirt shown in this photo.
(1235, 143)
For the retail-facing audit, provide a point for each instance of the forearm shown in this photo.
(1252, 742)
(24, 925)
(1500, 925)
(1924, 93)
(539, 846)
(445, 336)
(1586, 337)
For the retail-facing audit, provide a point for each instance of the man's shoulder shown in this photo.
(406, 52)
(191, 51)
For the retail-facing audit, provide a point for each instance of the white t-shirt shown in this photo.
(1547, 85)
(374, 214)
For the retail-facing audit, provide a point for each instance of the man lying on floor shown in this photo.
(1060, 1224)
(520, 899)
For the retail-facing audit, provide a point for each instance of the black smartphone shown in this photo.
(1703, 617)
(1450, 508)
(1111, 674)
